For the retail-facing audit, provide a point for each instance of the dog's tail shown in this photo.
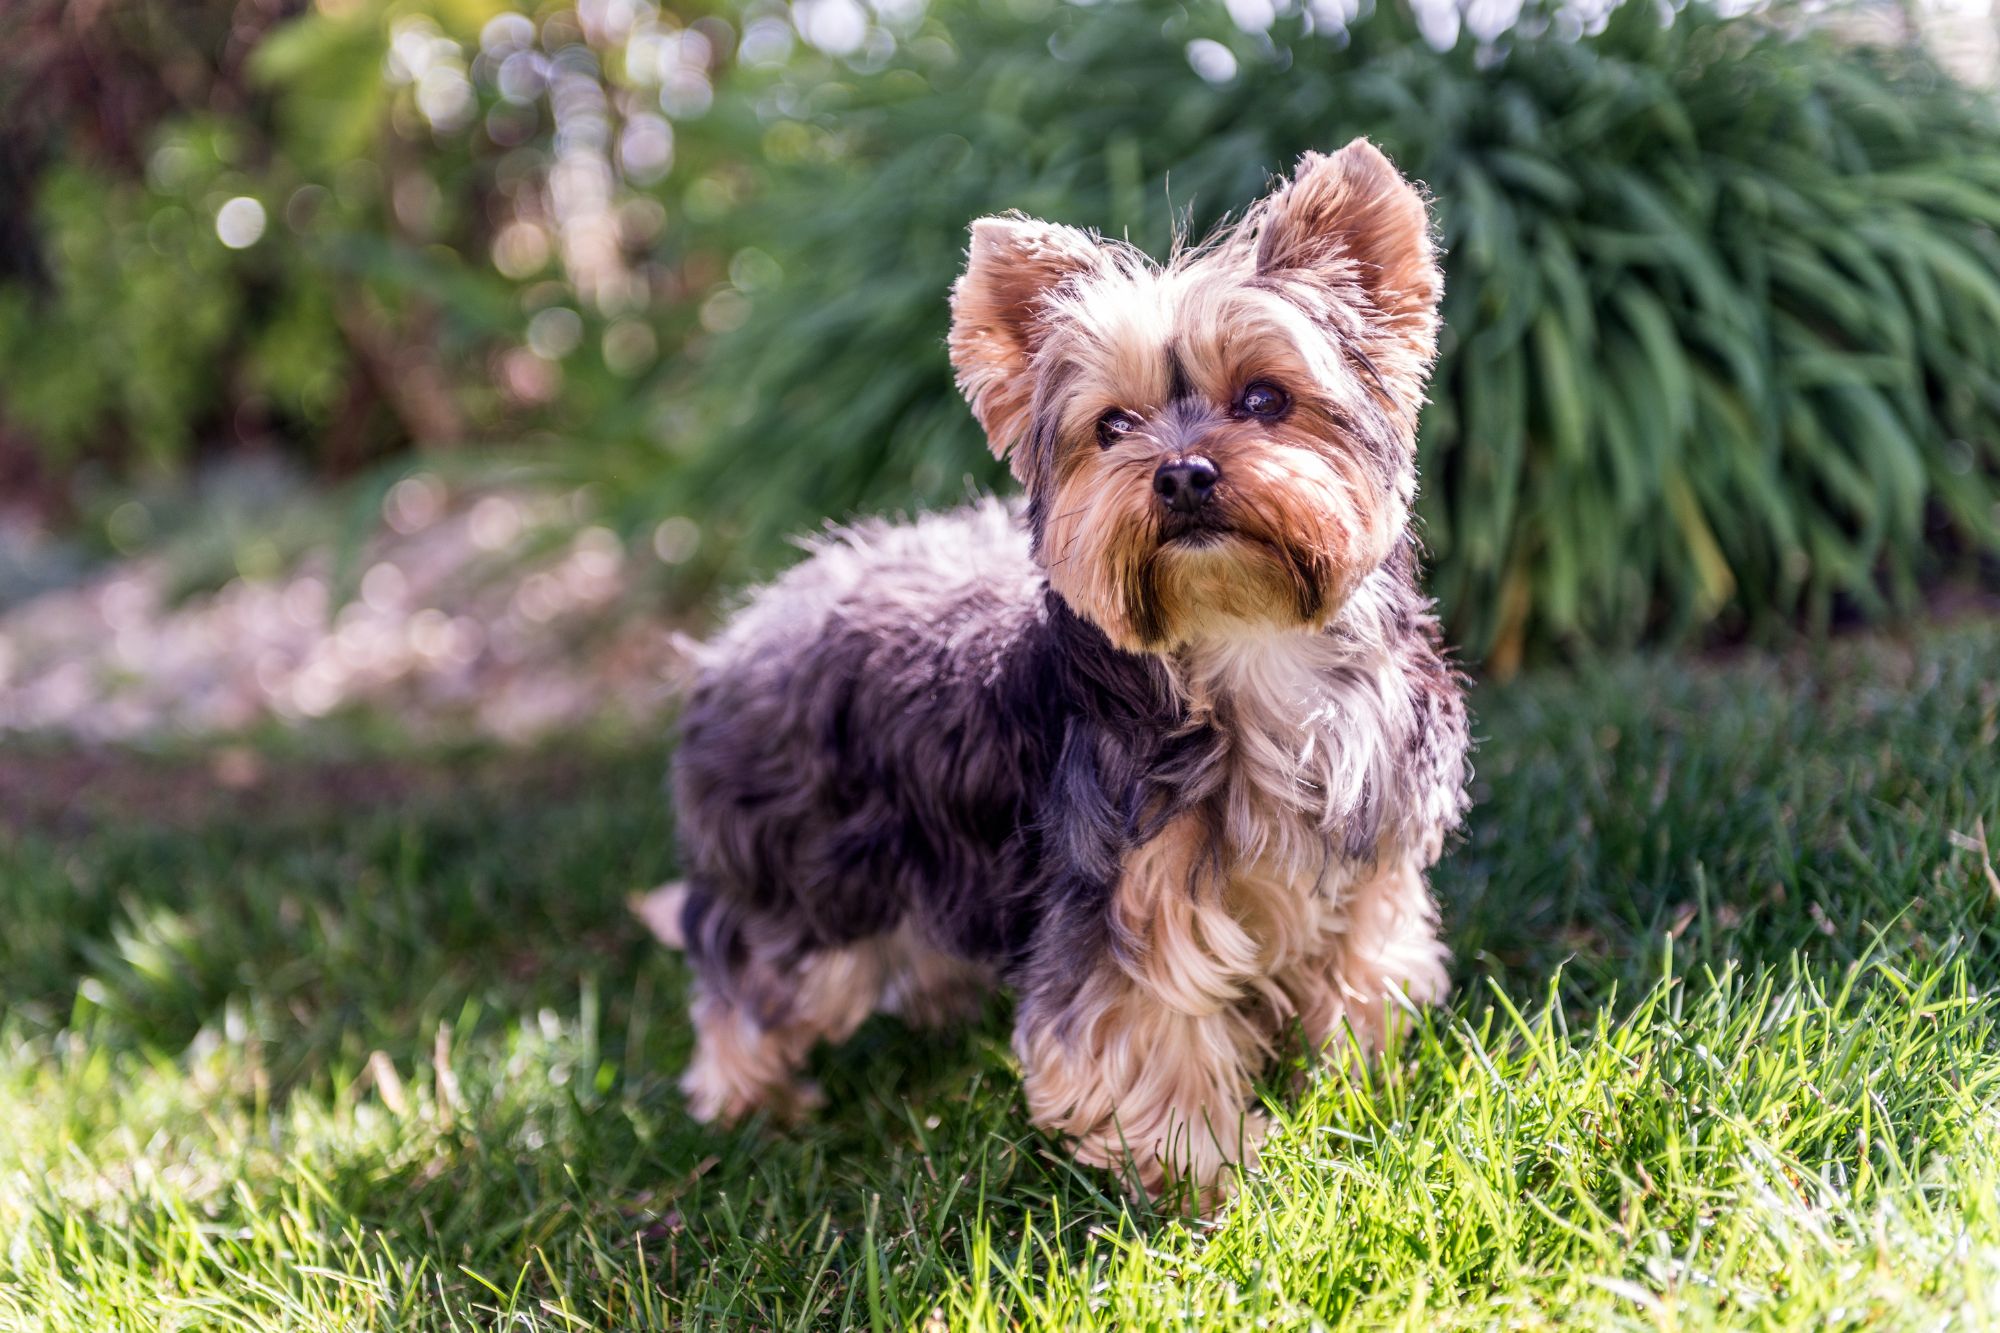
(661, 912)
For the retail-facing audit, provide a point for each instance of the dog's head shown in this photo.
(1223, 442)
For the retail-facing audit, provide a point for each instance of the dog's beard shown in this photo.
(1202, 582)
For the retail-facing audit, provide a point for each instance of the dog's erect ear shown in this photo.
(1353, 217)
(1013, 266)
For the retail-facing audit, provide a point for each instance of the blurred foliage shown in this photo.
(1724, 318)
(287, 239)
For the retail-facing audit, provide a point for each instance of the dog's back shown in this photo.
(874, 737)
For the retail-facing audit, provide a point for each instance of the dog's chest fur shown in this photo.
(1304, 805)
(1309, 726)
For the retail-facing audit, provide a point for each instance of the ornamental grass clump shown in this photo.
(1723, 298)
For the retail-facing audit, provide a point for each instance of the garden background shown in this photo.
(384, 384)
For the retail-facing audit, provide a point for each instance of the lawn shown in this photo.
(313, 1041)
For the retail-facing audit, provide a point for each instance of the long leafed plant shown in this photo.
(1724, 294)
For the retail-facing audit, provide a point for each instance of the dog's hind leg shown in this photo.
(760, 1003)
(748, 1057)
(925, 986)
(762, 999)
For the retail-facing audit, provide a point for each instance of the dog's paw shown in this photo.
(715, 1097)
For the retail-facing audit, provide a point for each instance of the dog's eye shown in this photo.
(1263, 399)
(1114, 424)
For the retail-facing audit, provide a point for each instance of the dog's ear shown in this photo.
(1351, 218)
(998, 307)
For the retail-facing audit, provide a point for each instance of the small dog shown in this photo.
(1168, 750)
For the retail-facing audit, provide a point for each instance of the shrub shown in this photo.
(354, 309)
(1724, 317)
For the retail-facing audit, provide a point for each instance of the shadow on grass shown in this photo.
(280, 961)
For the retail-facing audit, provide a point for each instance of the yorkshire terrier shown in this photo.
(1168, 750)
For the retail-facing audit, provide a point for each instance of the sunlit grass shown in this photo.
(1723, 1054)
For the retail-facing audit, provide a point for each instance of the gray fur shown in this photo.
(908, 726)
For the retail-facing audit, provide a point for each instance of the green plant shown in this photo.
(270, 241)
(1724, 319)
(146, 304)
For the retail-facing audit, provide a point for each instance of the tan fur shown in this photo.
(1366, 975)
(1099, 528)
(1011, 267)
(1151, 1066)
(1354, 214)
(1295, 490)
(1151, 1063)
(1148, 1071)
(926, 986)
(1307, 719)
(660, 912)
(1287, 490)
(741, 1065)
(1157, 1095)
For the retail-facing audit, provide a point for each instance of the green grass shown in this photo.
(1723, 1053)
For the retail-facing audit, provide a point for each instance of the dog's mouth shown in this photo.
(1204, 527)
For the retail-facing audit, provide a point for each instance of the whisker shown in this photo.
(1368, 365)
(1067, 550)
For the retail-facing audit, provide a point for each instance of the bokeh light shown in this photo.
(240, 222)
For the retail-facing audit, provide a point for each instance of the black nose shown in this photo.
(1184, 484)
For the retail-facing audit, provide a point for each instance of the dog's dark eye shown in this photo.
(1113, 424)
(1263, 399)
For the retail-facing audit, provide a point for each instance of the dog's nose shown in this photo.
(1184, 484)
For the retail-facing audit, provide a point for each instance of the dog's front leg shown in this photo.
(1385, 958)
(1138, 1034)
